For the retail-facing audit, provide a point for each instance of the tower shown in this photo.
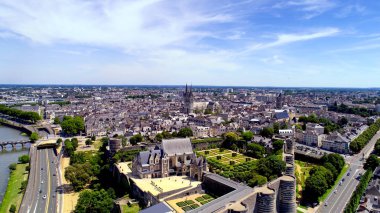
(280, 99)
(188, 100)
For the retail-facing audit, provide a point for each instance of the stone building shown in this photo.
(175, 157)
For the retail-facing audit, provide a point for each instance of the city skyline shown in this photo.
(303, 43)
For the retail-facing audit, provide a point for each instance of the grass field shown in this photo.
(13, 195)
(134, 208)
(302, 172)
(225, 154)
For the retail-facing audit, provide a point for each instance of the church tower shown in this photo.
(188, 100)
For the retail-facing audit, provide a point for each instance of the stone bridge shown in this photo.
(13, 144)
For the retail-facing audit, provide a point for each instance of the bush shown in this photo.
(12, 166)
(24, 159)
(234, 154)
(221, 149)
(189, 202)
(12, 209)
(206, 196)
(194, 206)
(207, 152)
(181, 204)
(218, 157)
(232, 162)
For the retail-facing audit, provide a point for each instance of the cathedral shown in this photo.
(188, 100)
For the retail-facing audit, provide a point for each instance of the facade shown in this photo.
(176, 157)
(315, 127)
(188, 100)
(280, 101)
(312, 138)
(337, 143)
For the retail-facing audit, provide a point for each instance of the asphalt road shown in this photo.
(336, 202)
(41, 195)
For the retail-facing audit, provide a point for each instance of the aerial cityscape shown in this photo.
(159, 106)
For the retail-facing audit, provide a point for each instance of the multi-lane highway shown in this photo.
(341, 194)
(41, 192)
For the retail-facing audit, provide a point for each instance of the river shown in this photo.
(8, 156)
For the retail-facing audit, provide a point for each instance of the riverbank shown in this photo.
(13, 194)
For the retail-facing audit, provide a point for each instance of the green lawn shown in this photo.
(326, 194)
(301, 177)
(134, 208)
(226, 156)
(13, 195)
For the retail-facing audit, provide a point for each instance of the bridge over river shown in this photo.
(3, 144)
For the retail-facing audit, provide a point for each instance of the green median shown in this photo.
(15, 192)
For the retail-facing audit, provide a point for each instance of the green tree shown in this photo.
(88, 142)
(12, 166)
(23, 186)
(185, 132)
(159, 137)
(75, 143)
(230, 138)
(247, 135)
(59, 141)
(335, 159)
(372, 162)
(271, 166)
(12, 209)
(267, 132)
(23, 159)
(277, 145)
(343, 121)
(93, 138)
(69, 148)
(79, 175)
(276, 127)
(34, 137)
(136, 139)
(72, 125)
(57, 121)
(94, 201)
(255, 150)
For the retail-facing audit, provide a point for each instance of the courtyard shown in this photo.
(224, 156)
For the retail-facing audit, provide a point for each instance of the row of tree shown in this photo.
(23, 115)
(353, 204)
(327, 123)
(358, 143)
(322, 177)
(182, 133)
(342, 108)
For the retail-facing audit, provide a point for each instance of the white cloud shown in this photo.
(275, 59)
(283, 39)
(311, 8)
(130, 25)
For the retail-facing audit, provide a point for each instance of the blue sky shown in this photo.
(215, 42)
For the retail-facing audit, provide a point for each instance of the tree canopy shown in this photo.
(255, 150)
(27, 116)
(185, 132)
(247, 135)
(94, 201)
(72, 125)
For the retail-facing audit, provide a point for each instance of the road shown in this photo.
(336, 202)
(41, 195)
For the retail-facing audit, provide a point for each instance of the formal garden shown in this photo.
(224, 156)
(193, 203)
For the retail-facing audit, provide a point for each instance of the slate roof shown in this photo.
(144, 155)
(158, 208)
(177, 146)
(281, 115)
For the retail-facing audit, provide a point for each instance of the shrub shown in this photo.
(234, 154)
(186, 208)
(247, 159)
(189, 202)
(181, 204)
(221, 149)
(199, 199)
(12, 166)
(12, 209)
(232, 162)
(194, 206)
(207, 152)
(24, 159)
(207, 196)
(218, 157)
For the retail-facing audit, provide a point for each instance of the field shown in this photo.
(302, 172)
(14, 195)
(226, 156)
(134, 208)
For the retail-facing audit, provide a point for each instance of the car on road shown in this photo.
(326, 204)
(44, 197)
(343, 180)
(348, 174)
(42, 181)
(53, 174)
